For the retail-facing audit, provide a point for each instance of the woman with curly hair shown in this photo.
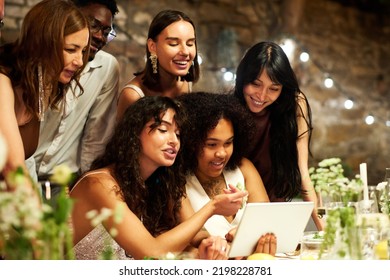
(214, 156)
(35, 71)
(172, 60)
(140, 171)
(267, 86)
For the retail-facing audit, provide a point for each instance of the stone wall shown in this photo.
(345, 43)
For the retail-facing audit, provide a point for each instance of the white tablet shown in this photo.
(287, 220)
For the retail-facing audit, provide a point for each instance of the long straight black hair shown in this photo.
(268, 56)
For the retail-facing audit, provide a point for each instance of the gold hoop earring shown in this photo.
(153, 61)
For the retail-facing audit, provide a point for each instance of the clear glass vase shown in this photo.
(341, 237)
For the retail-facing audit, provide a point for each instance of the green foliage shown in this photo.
(29, 228)
(56, 236)
(340, 234)
(329, 180)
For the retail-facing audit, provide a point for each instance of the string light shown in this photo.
(370, 119)
(289, 45)
(304, 57)
(228, 76)
(328, 83)
(200, 59)
(348, 104)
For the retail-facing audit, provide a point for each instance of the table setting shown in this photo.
(357, 224)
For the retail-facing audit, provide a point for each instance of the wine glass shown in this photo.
(368, 204)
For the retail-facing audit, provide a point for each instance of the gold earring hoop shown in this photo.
(153, 61)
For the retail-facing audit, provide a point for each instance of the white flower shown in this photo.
(105, 213)
(328, 179)
(97, 218)
(329, 162)
(170, 256)
(113, 232)
(91, 214)
(28, 224)
(19, 209)
(61, 174)
(95, 221)
(118, 213)
(381, 186)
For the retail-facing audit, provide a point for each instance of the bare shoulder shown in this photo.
(302, 108)
(131, 92)
(134, 82)
(246, 164)
(253, 182)
(302, 99)
(96, 184)
(4, 78)
(248, 169)
(5, 84)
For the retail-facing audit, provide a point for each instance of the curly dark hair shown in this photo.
(110, 4)
(157, 200)
(268, 56)
(205, 110)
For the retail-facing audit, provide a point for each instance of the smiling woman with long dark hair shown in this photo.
(267, 86)
(171, 65)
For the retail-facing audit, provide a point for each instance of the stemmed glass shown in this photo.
(370, 205)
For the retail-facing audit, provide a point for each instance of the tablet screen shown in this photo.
(287, 220)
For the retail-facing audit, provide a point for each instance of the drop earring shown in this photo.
(153, 61)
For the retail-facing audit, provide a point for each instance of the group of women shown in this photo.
(178, 159)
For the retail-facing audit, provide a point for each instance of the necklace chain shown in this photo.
(41, 111)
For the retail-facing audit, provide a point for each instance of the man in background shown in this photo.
(78, 131)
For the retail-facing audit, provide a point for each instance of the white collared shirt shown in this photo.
(78, 131)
